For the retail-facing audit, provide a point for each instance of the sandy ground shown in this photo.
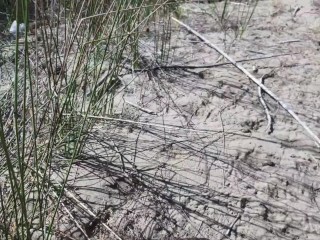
(195, 161)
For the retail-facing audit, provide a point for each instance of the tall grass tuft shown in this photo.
(231, 17)
(66, 67)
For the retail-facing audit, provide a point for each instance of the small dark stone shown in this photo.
(243, 202)
(201, 75)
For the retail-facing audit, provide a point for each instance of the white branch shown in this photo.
(255, 80)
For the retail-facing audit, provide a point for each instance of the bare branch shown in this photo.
(255, 80)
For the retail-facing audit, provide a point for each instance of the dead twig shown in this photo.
(141, 108)
(175, 127)
(255, 80)
(120, 155)
(177, 66)
(74, 220)
(290, 41)
(296, 10)
(228, 233)
(85, 208)
(269, 128)
(79, 204)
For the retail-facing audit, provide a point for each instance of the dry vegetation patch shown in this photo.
(144, 132)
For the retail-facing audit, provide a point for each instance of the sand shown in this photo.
(195, 161)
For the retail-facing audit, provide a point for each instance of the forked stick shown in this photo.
(255, 80)
(269, 127)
